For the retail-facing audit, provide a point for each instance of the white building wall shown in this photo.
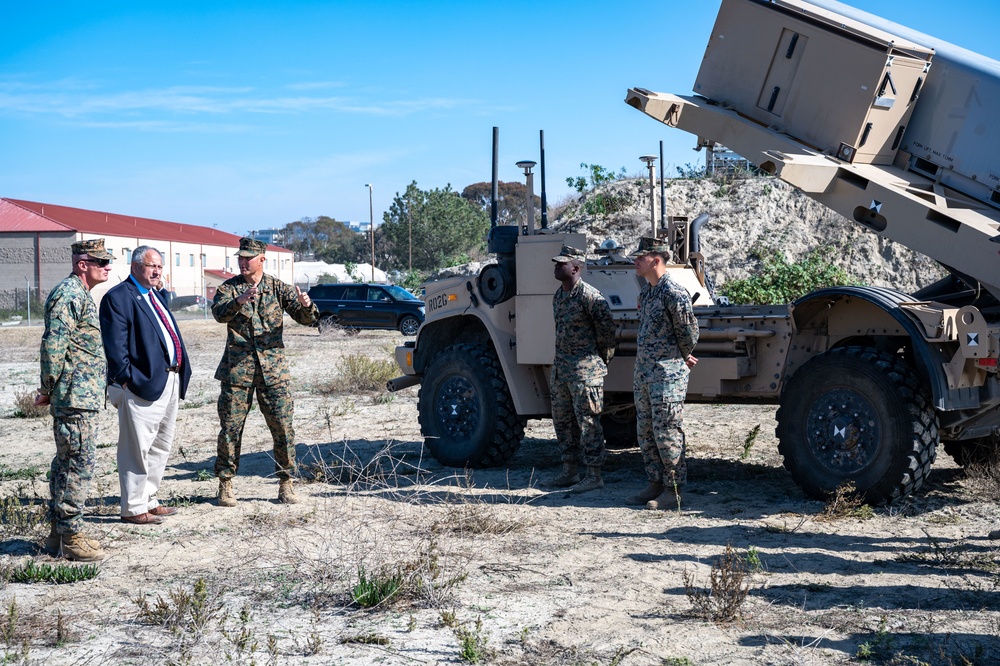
(184, 263)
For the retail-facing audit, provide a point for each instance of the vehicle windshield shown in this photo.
(400, 294)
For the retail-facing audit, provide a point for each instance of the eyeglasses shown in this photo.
(158, 267)
(100, 262)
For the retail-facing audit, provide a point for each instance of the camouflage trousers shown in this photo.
(75, 432)
(576, 417)
(660, 423)
(275, 405)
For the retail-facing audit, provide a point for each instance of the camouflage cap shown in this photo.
(569, 253)
(650, 245)
(250, 247)
(93, 248)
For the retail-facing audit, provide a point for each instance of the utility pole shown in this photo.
(371, 226)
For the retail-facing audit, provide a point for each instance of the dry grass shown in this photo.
(983, 479)
(25, 407)
(359, 373)
(727, 591)
(846, 503)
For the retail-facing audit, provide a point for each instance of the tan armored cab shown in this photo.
(866, 117)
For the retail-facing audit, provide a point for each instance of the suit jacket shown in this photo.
(134, 344)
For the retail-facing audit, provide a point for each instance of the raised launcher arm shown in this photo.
(893, 129)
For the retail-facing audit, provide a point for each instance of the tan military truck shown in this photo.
(888, 127)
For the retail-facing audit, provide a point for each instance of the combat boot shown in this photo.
(569, 476)
(51, 544)
(227, 496)
(592, 481)
(78, 548)
(286, 492)
(668, 499)
(650, 492)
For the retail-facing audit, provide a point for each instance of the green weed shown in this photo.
(749, 441)
(182, 611)
(374, 589)
(473, 643)
(754, 565)
(59, 574)
(370, 638)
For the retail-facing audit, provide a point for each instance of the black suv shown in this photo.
(367, 306)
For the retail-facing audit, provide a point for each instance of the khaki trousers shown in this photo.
(145, 435)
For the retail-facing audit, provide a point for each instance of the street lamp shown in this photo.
(371, 226)
(650, 161)
(530, 186)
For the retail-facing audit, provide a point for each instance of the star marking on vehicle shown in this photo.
(875, 206)
(840, 432)
(973, 339)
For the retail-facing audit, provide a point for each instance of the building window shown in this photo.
(227, 262)
(177, 258)
(191, 259)
(127, 253)
(204, 261)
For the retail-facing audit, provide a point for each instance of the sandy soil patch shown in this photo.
(490, 564)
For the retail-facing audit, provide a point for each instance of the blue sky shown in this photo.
(254, 114)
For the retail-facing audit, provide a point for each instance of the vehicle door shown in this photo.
(380, 308)
(351, 306)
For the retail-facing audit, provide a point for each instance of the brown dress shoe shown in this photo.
(143, 519)
(161, 510)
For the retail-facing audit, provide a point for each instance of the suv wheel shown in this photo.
(408, 325)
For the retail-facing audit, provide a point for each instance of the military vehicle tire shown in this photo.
(620, 429)
(408, 325)
(861, 415)
(466, 414)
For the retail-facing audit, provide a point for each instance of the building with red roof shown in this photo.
(35, 241)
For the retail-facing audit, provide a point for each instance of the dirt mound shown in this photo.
(749, 217)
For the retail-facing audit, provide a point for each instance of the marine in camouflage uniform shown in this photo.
(73, 382)
(585, 343)
(668, 333)
(252, 305)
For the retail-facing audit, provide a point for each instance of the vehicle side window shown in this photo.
(377, 295)
(353, 294)
(333, 293)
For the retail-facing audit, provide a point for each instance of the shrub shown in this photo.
(846, 502)
(360, 373)
(781, 282)
(727, 591)
(25, 407)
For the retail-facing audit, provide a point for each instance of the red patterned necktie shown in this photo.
(170, 329)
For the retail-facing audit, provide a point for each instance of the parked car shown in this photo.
(181, 302)
(367, 306)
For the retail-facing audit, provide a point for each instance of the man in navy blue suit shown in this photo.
(148, 373)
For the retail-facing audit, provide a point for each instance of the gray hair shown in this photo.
(139, 254)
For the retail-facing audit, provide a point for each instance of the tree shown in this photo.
(326, 239)
(596, 175)
(511, 200)
(446, 228)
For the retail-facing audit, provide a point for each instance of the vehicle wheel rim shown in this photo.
(410, 326)
(457, 408)
(843, 431)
